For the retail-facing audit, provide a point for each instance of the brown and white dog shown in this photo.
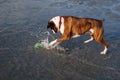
(71, 27)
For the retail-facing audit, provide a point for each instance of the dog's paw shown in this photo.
(52, 43)
(103, 53)
(89, 40)
(51, 46)
(85, 42)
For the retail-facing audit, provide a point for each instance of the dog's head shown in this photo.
(52, 26)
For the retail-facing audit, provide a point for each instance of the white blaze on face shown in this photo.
(56, 21)
(62, 26)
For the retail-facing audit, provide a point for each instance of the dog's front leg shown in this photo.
(63, 38)
(54, 43)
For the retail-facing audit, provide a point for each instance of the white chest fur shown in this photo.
(62, 26)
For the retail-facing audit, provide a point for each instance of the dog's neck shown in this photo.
(58, 21)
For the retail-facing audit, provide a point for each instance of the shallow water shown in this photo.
(22, 24)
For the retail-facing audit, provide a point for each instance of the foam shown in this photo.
(45, 42)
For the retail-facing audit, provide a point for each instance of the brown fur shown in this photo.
(77, 26)
(74, 26)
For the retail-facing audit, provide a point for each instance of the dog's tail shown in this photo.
(102, 20)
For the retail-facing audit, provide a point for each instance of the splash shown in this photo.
(45, 42)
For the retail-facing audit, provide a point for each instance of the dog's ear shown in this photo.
(50, 24)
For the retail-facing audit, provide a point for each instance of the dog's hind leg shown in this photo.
(105, 44)
(99, 38)
(87, 41)
(91, 31)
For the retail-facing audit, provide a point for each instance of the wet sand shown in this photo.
(22, 24)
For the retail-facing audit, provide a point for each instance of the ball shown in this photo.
(38, 45)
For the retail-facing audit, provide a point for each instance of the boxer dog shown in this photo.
(72, 27)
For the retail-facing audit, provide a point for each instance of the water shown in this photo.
(45, 42)
(24, 22)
